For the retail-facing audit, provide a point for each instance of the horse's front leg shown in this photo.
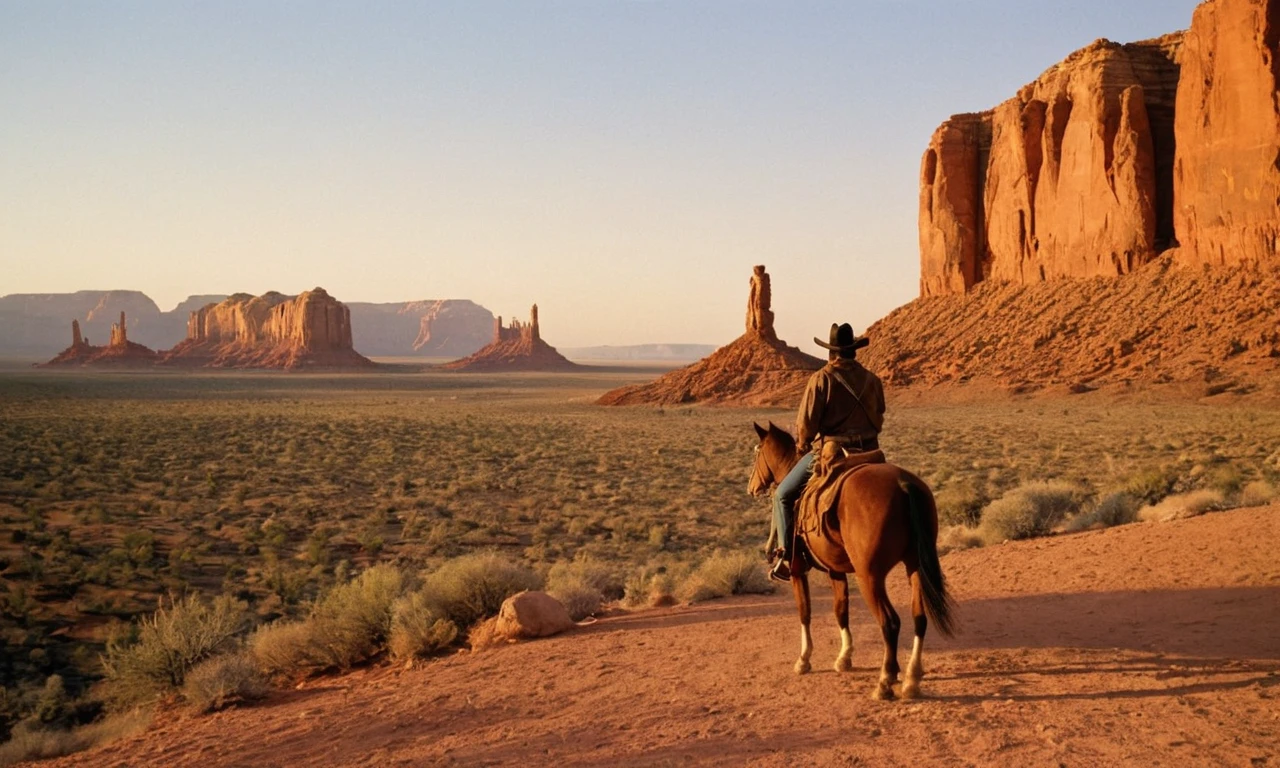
(800, 586)
(840, 588)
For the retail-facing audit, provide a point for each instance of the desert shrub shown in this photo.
(590, 572)
(31, 741)
(1225, 478)
(652, 587)
(1028, 510)
(169, 643)
(580, 599)
(417, 629)
(1115, 509)
(352, 621)
(282, 647)
(469, 588)
(1258, 493)
(726, 573)
(1184, 505)
(222, 681)
(960, 503)
(1152, 485)
(957, 537)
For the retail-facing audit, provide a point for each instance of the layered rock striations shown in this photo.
(755, 369)
(119, 351)
(515, 347)
(1114, 156)
(311, 330)
(1227, 167)
(434, 328)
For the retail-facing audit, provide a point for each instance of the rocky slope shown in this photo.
(433, 327)
(757, 368)
(311, 330)
(1218, 329)
(517, 347)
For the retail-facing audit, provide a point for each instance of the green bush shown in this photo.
(589, 572)
(416, 629)
(283, 648)
(222, 681)
(724, 574)
(472, 587)
(1029, 510)
(352, 621)
(1152, 485)
(169, 643)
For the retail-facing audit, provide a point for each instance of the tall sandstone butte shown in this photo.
(755, 369)
(515, 347)
(310, 330)
(1112, 157)
(119, 352)
(1070, 177)
(1227, 171)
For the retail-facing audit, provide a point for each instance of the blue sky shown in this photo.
(622, 164)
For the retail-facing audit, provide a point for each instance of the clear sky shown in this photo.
(623, 164)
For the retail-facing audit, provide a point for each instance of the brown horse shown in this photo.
(884, 516)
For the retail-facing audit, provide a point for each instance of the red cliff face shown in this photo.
(1069, 178)
(270, 331)
(1227, 171)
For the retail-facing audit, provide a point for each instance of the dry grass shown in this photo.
(724, 574)
(223, 681)
(33, 743)
(417, 629)
(1029, 510)
(117, 490)
(470, 588)
(1258, 493)
(1184, 505)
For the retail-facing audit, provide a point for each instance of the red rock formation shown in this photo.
(1228, 127)
(1068, 178)
(120, 352)
(755, 369)
(311, 330)
(517, 347)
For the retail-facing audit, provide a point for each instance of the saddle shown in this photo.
(818, 501)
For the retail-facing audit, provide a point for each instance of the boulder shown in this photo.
(532, 614)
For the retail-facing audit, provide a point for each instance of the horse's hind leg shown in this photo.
(800, 586)
(840, 587)
(873, 592)
(915, 669)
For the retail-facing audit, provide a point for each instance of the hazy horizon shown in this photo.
(623, 165)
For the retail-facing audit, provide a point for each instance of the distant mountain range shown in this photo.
(641, 352)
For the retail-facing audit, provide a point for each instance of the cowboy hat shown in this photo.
(843, 339)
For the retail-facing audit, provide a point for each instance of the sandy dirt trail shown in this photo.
(1148, 644)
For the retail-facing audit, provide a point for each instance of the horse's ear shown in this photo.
(761, 431)
(772, 428)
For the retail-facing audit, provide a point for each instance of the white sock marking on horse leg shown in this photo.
(844, 661)
(806, 650)
(915, 669)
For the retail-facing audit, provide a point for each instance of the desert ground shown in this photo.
(1145, 644)
(1141, 643)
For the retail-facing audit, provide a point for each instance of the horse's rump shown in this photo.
(815, 511)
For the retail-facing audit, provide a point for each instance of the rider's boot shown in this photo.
(781, 567)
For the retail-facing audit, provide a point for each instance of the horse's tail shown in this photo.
(937, 603)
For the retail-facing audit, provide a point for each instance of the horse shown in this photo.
(885, 515)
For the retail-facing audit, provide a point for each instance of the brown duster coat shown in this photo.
(829, 409)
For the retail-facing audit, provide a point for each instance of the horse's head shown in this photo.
(775, 455)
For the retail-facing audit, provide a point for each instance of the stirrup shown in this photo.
(780, 571)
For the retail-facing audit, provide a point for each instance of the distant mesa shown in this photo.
(310, 330)
(517, 347)
(756, 369)
(430, 328)
(119, 351)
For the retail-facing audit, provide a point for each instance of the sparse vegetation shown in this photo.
(118, 490)
(221, 681)
(1184, 505)
(724, 574)
(472, 587)
(1029, 510)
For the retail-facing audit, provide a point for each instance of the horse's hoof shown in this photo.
(882, 693)
(802, 666)
(911, 689)
(844, 664)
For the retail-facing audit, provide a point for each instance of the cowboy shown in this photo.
(843, 404)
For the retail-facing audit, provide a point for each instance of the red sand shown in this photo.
(1149, 644)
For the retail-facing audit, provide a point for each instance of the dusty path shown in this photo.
(1150, 644)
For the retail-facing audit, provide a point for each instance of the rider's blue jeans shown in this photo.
(784, 499)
